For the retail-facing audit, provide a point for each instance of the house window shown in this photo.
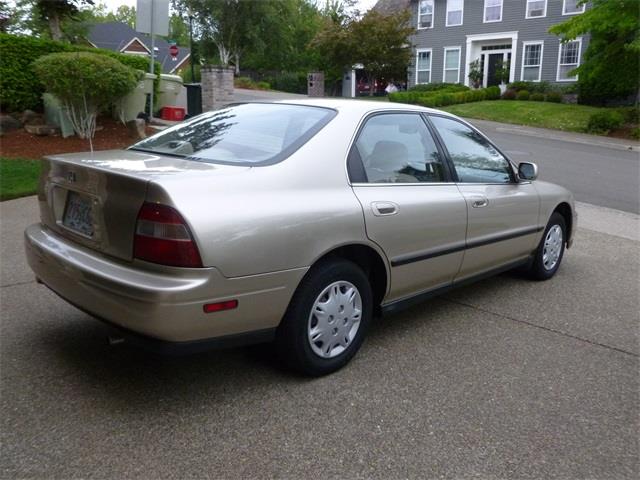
(451, 65)
(425, 14)
(571, 7)
(568, 60)
(492, 11)
(423, 66)
(532, 61)
(536, 8)
(455, 11)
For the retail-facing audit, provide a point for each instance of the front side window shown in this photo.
(536, 8)
(398, 148)
(492, 11)
(455, 12)
(569, 60)
(474, 158)
(425, 14)
(423, 66)
(532, 62)
(572, 7)
(451, 65)
(244, 134)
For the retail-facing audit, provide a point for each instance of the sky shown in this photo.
(113, 4)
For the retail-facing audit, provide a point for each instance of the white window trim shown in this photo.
(447, 16)
(524, 51)
(418, 52)
(433, 16)
(484, 13)
(558, 79)
(490, 36)
(564, 9)
(526, 10)
(444, 62)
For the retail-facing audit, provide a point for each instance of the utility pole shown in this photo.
(153, 61)
(193, 75)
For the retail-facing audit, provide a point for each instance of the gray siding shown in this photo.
(513, 20)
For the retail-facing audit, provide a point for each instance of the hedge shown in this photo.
(442, 98)
(19, 86)
(432, 87)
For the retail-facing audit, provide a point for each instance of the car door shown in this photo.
(412, 208)
(502, 211)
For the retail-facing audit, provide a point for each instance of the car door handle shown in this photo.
(382, 209)
(480, 202)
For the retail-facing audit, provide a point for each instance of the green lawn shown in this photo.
(18, 177)
(560, 116)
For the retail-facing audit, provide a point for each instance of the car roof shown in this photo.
(356, 105)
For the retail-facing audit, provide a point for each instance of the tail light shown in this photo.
(162, 236)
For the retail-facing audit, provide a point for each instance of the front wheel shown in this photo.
(550, 250)
(327, 319)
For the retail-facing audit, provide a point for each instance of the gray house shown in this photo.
(451, 34)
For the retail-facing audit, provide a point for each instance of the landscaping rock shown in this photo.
(41, 130)
(29, 117)
(137, 128)
(7, 122)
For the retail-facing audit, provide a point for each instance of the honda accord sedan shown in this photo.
(294, 222)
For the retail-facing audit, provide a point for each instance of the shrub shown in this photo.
(432, 87)
(86, 84)
(493, 93)
(20, 89)
(537, 97)
(531, 87)
(604, 121)
(263, 85)
(522, 95)
(243, 82)
(635, 133)
(554, 97)
(509, 95)
(291, 82)
(631, 114)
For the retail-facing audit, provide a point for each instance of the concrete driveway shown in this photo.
(503, 379)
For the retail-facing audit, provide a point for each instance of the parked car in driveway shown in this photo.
(294, 222)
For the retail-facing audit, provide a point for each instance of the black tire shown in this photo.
(292, 342)
(538, 270)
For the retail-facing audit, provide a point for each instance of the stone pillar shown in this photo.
(217, 87)
(315, 84)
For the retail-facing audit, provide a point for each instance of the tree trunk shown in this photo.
(54, 27)
(372, 83)
(237, 62)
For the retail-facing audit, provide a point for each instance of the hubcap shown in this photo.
(552, 247)
(334, 319)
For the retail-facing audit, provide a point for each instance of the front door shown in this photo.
(493, 64)
(412, 208)
(502, 212)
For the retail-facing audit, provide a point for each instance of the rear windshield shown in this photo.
(244, 134)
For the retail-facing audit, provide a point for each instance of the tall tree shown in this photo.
(124, 14)
(55, 11)
(384, 48)
(610, 67)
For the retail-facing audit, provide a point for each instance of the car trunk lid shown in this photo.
(94, 198)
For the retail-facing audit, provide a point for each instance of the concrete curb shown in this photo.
(572, 137)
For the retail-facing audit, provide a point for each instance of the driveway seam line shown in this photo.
(18, 283)
(541, 327)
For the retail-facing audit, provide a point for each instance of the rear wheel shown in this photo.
(550, 250)
(327, 319)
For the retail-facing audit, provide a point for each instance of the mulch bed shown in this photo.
(20, 144)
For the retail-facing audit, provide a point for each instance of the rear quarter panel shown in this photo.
(275, 217)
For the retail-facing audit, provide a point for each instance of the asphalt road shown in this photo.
(598, 170)
(503, 379)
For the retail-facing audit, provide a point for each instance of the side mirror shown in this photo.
(527, 171)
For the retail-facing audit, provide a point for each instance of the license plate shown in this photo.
(78, 215)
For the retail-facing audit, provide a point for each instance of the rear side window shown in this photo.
(474, 158)
(245, 134)
(398, 148)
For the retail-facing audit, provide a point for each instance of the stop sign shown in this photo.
(173, 50)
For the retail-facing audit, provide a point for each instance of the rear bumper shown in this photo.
(163, 303)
